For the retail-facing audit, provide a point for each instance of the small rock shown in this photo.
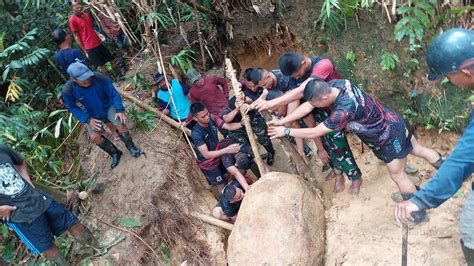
(83, 195)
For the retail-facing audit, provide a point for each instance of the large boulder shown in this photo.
(280, 222)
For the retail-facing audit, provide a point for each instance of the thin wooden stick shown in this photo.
(162, 116)
(214, 221)
(405, 245)
(134, 234)
(230, 73)
(198, 25)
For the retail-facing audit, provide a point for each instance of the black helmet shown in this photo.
(449, 51)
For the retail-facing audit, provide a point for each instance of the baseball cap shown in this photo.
(256, 75)
(193, 75)
(157, 77)
(242, 160)
(79, 71)
(448, 52)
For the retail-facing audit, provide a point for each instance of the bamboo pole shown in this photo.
(230, 73)
(198, 25)
(214, 221)
(165, 118)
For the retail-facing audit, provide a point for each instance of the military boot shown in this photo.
(112, 150)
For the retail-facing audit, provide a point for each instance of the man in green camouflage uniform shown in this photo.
(340, 153)
(258, 125)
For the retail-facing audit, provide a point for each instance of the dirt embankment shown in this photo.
(160, 190)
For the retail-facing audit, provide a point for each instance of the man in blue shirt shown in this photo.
(66, 54)
(450, 55)
(100, 104)
(229, 202)
(172, 98)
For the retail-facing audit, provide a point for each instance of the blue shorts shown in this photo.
(99, 55)
(38, 235)
(399, 145)
(215, 176)
(122, 41)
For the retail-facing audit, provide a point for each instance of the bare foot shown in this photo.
(339, 185)
(355, 187)
(330, 176)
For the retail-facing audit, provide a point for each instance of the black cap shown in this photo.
(256, 75)
(449, 51)
(157, 77)
(242, 160)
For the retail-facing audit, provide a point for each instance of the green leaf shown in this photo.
(404, 9)
(423, 17)
(128, 222)
(55, 112)
(4, 230)
(428, 8)
(471, 98)
(418, 29)
(57, 128)
(5, 73)
(16, 64)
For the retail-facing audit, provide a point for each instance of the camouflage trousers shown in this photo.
(340, 154)
(259, 127)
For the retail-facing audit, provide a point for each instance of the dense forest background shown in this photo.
(34, 121)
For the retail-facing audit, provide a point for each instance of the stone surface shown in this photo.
(280, 222)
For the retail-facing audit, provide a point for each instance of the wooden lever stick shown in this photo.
(230, 73)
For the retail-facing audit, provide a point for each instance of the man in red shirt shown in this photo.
(82, 27)
(212, 91)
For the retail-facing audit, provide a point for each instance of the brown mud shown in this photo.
(160, 190)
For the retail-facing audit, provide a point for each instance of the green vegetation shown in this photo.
(445, 112)
(351, 57)
(389, 61)
(416, 19)
(183, 59)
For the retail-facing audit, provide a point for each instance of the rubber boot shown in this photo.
(439, 162)
(86, 238)
(468, 254)
(270, 153)
(418, 216)
(127, 139)
(255, 170)
(112, 150)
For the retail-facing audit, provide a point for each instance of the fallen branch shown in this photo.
(214, 221)
(134, 234)
(162, 116)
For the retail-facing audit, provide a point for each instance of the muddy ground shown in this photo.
(160, 190)
(360, 230)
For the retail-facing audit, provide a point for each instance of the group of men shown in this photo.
(304, 92)
(92, 50)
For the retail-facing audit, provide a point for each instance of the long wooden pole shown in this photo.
(198, 26)
(164, 117)
(214, 221)
(230, 73)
